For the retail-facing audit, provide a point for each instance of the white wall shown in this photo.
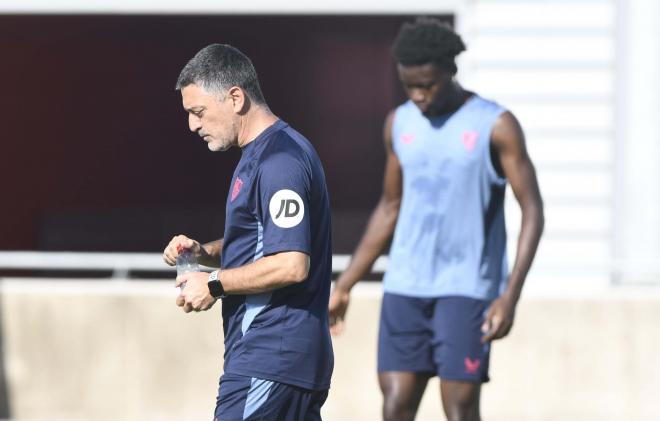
(108, 350)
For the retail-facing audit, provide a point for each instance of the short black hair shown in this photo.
(428, 40)
(218, 67)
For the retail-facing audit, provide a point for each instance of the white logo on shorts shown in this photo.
(286, 209)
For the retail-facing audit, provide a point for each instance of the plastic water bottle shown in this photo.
(185, 262)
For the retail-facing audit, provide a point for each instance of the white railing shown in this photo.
(124, 265)
(120, 264)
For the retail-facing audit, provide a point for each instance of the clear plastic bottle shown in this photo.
(186, 262)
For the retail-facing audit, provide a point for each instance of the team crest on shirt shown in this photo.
(470, 138)
(407, 138)
(286, 208)
(236, 189)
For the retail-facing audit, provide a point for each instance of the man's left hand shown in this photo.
(499, 319)
(195, 296)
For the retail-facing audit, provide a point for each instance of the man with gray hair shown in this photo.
(275, 258)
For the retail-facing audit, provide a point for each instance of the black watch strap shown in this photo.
(215, 286)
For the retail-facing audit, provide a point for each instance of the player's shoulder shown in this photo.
(399, 116)
(402, 110)
(389, 117)
(285, 150)
(486, 105)
(506, 130)
(501, 115)
(404, 114)
(387, 127)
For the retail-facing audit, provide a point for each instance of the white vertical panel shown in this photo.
(552, 63)
(638, 234)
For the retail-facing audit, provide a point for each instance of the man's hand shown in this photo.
(499, 318)
(196, 295)
(181, 241)
(339, 300)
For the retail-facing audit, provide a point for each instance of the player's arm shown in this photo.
(207, 254)
(212, 252)
(378, 232)
(265, 274)
(508, 142)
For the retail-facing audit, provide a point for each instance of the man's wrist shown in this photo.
(511, 295)
(215, 285)
(342, 286)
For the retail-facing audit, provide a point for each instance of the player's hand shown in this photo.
(499, 319)
(339, 300)
(196, 295)
(178, 242)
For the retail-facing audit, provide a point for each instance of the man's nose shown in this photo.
(417, 95)
(194, 123)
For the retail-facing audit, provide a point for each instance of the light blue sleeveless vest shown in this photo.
(450, 238)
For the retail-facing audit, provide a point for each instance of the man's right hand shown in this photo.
(339, 300)
(181, 241)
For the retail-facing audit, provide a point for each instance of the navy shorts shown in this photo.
(248, 398)
(439, 336)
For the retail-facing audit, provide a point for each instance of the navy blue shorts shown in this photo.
(439, 336)
(248, 398)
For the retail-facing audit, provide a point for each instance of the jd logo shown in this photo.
(288, 204)
(286, 209)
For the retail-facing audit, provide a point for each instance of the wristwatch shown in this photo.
(215, 286)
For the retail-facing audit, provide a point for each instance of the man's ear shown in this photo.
(238, 99)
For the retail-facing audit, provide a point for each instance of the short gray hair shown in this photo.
(218, 67)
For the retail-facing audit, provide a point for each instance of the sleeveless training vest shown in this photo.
(450, 237)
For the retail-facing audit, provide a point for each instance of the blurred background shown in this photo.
(101, 171)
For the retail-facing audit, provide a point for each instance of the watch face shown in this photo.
(215, 287)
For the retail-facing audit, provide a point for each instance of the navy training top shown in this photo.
(278, 201)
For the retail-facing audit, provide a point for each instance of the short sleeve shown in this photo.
(283, 195)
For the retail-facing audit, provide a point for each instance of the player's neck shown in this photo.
(456, 98)
(253, 123)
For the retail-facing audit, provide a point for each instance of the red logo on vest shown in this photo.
(407, 138)
(470, 139)
(237, 188)
(471, 366)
